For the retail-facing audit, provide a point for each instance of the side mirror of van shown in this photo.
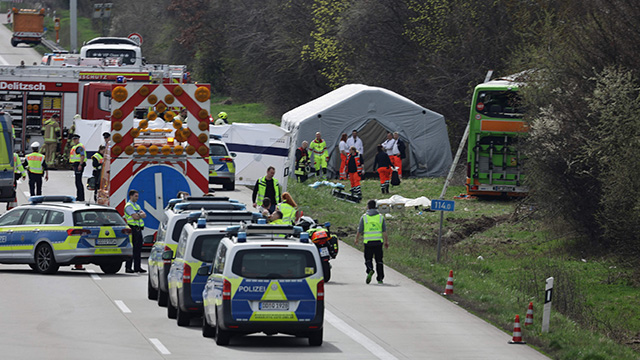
(205, 270)
(167, 255)
(233, 154)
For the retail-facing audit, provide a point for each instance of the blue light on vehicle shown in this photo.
(262, 221)
(304, 237)
(202, 223)
(39, 199)
(242, 237)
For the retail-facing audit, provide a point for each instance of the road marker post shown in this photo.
(546, 312)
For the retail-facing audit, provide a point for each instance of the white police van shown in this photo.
(175, 217)
(264, 278)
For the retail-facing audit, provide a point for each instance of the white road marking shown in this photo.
(360, 338)
(122, 306)
(163, 350)
(94, 276)
(3, 61)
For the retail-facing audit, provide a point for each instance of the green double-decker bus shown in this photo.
(494, 160)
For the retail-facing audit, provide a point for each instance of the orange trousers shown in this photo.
(396, 162)
(343, 167)
(385, 174)
(355, 179)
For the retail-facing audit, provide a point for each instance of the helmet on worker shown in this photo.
(222, 115)
(35, 145)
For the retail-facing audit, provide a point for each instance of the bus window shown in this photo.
(499, 104)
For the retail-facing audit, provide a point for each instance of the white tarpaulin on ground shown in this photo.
(257, 146)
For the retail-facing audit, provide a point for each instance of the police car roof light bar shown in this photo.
(51, 198)
(206, 198)
(209, 206)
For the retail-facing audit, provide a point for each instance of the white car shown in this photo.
(54, 231)
(264, 278)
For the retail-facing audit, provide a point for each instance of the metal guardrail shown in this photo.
(54, 47)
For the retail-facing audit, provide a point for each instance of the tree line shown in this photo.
(582, 98)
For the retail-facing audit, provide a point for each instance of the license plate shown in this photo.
(101, 242)
(109, 251)
(274, 305)
(324, 252)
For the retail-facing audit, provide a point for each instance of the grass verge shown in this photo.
(501, 255)
(255, 113)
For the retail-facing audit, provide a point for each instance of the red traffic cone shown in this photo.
(448, 290)
(529, 319)
(517, 332)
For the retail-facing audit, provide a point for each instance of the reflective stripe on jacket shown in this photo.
(319, 148)
(262, 190)
(73, 156)
(288, 213)
(34, 162)
(130, 220)
(373, 227)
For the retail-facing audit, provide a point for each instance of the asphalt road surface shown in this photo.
(87, 314)
(10, 55)
(90, 315)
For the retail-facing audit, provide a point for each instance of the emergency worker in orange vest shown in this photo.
(355, 170)
(35, 163)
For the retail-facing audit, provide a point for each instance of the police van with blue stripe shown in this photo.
(264, 278)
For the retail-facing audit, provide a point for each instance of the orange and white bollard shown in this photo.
(529, 318)
(517, 332)
(448, 290)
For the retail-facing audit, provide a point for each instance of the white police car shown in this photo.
(175, 217)
(197, 246)
(264, 279)
(54, 231)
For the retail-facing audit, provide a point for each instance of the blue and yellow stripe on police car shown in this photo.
(247, 291)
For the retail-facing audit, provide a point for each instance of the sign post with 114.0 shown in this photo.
(442, 206)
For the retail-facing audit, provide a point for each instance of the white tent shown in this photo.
(373, 112)
(257, 146)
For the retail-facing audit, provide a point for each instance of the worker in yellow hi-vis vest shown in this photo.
(320, 155)
(36, 166)
(374, 230)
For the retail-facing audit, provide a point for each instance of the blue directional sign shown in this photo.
(157, 185)
(442, 205)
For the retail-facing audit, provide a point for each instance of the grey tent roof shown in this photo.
(354, 106)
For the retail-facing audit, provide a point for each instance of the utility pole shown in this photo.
(73, 24)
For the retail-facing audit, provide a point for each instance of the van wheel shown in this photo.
(163, 298)
(222, 336)
(172, 312)
(152, 294)
(182, 317)
(208, 331)
(315, 338)
(111, 268)
(45, 262)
